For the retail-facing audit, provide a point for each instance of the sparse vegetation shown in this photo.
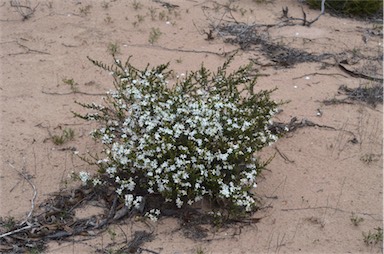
(67, 135)
(163, 16)
(154, 35)
(85, 10)
(108, 20)
(152, 13)
(72, 84)
(112, 234)
(139, 19)
(360, 8)
(105, 5)
(8, 222)
(113, 49)
(370, 94)
(200, 250)
(242, 11)
(369, 158)
(373, 238)
(356, 220)
(179, 60)
(136, 5)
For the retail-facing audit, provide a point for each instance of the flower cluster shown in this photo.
(193, 140)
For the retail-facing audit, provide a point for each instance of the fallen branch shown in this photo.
(371, 95)
(327, 207)
(223, 54)
(28, 50)
(74, 92)
(20, 9)
(323, 74)
(27, 178)
(283, 156)
(321, 13)
(304, 19)
(17, 231)
(358, 75)
(294, 124)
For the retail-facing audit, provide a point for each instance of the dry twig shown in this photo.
(27, 178)
(26, 11)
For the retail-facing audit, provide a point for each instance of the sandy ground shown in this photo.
(310, 197)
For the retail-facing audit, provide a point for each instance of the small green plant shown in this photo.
(85, 10)
(179, 60)
(176, 14)
(356, 220)
(154, 35)
(8, 222)
(243, 11)
(112, 234)
(368, 158)
(49, 4)
(72, 84)
(140, 19)
(67, 135)
(200, 250)
(108, 20)
(113, 49)
(163, 16)
(216, 7)
(105, 5)
(373, 238)
(136, 5)
(152, 13)
(35, 250)
(192, 140)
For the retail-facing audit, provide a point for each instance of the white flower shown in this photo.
(128, 200)
(111, 170)
(84, 176)
(153, 214)
(222, 156)
(225, 191)
(179, 202)
(96, 181)
(137, 202)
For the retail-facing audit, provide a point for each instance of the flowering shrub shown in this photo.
(186, 141)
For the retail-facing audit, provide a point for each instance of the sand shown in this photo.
(318, 181)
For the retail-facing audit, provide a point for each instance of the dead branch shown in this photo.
(283, 156)
(330, 208)
(294, 124)
(323, 74)
(28, 50)
(321, 13)
(17, 231)
(358, 75)
(223, 54)
(166, 4)
(74, 92)
(370, 95)
(304, 19)
(27, 178)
